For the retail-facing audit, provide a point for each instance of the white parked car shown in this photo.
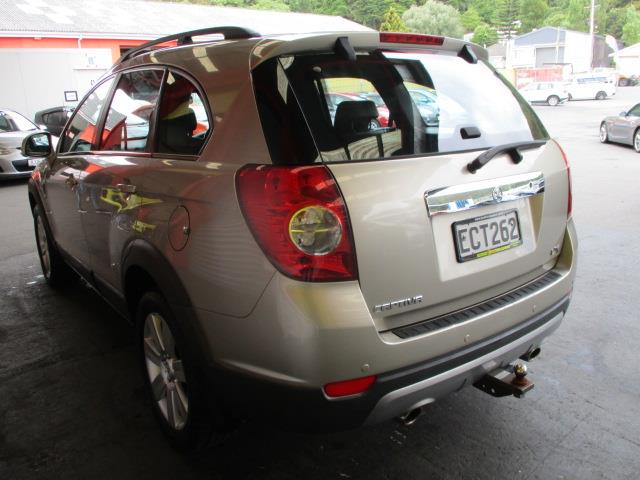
(551, 93)
(590, 87)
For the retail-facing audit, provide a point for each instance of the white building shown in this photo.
(550, 46)
(627, 60)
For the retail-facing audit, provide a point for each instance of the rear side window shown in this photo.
(80, 136)
(183, 121)
(126, 127)
(388, 104)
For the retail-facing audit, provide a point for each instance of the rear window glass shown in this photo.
(326, 108)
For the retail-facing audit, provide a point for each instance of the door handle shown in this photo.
(71, 181)
(126, 188)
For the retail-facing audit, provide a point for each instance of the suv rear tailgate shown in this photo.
(409, 257)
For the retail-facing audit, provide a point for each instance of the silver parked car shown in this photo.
(13, 129)
(624, 128)
(318, 273)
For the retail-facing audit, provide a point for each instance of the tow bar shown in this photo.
(502, 382)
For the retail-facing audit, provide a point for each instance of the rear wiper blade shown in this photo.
(513, 149)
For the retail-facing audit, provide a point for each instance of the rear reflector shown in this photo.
(410, 38)
(349, 387)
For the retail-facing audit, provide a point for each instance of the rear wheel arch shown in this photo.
(145, 269)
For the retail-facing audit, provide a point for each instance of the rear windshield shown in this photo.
(14, 122)
(325, 108)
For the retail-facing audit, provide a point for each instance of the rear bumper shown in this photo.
(394, 393)
(273, 363)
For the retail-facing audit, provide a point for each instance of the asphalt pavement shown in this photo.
(71, 401)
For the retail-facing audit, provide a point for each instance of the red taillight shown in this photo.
(570, 195)
(411, 38)
(349, 387)
(298, 217)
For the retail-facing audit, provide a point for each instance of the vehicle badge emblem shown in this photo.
(497, 194)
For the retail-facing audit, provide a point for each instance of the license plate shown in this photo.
(33, 162)
(483, 236)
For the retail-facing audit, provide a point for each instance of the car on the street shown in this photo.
(590, 87)
(427, 102)
(314, 272)
(551, 93)
(13, 129)
(623, 128)
(53, 119)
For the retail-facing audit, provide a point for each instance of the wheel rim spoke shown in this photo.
(178, 371)
(156, 330)
(152, 351)
(171, 409)
(159, 388)
(165, 371)
(182, 400)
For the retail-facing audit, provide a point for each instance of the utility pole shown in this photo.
(591, 33)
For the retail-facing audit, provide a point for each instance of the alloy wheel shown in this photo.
(166, 371)
(636, 141)
(603, 133)
(43, 247)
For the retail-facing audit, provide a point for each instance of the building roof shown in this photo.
(149, 19)
(546, 36)
(631, 51)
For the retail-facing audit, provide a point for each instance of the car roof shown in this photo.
(257, 49)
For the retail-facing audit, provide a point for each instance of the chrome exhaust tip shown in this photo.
(532, 353)
(410, 417)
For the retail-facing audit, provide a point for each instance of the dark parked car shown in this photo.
(53, 119)
(623, 128)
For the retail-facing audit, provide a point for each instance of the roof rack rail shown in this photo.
(186, 38)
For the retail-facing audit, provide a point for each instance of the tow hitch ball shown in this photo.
(502, 382)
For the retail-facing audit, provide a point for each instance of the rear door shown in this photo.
(430, 236)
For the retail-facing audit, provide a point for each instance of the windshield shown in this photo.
(14, 122)
(387, 104)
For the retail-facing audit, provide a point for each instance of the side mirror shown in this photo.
(623, 114)
(37, 145)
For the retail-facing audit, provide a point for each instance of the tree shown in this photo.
(470, 19)
(278, 5)
(392, 22)
(434, 18)
(485, 35)
(368, 12)
(486, 9)
(631, 29)
(578, 15)
(532, 14)
(506, 17)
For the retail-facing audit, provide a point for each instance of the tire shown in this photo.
(553, 100)
(601, 96)
(374, 125)
(55, 270)
(604, 134)
(636, 140)
(174, 380)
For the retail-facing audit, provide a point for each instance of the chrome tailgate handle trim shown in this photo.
(459, 198)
